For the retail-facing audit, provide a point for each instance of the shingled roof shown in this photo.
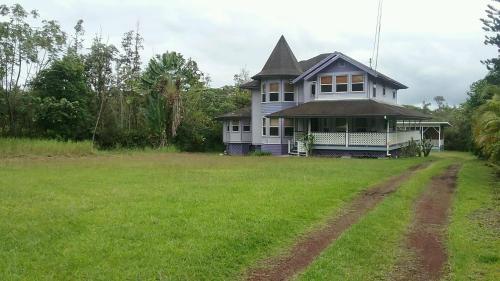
(350, 108)
(281, 62)
(242, 113)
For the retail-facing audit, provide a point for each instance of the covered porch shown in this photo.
(351, 127)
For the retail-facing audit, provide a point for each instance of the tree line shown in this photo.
(55, 86)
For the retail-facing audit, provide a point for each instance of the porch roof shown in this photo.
(350, 108)
(242, 113)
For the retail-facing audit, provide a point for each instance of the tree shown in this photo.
(440, 101)
(77, 40)
(64, 110)
(99, 70)
(167, 78)
(486, 126)
(24, 49)
(491, 24)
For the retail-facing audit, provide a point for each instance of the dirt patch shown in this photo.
(311, 245)
(425, 253)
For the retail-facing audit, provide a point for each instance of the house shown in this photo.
(349, 108)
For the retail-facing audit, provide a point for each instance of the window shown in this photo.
(358, 83)
(246, 126)
(341, 83)
(374, 90)
(288, 127)
(394, 94)
(227, 126)
(274, 127)
(263, 92)
(383, 90)
(289, 92)
(274, 91)
(313, 88)
(235, 126)
(326, 84)
(264, 126)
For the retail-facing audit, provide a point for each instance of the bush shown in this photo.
(411, 150)
(426, 147)
(260, 153)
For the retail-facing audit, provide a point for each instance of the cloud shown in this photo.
(434, 47)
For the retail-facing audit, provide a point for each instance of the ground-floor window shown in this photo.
(246, 126)
(235, 126)
(288, 127)
(274, 127)
(264, 131)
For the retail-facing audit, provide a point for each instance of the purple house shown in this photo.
(349, 108)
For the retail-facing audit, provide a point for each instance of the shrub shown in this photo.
(308, 140)
(260, 153)
(411, 150)
(426, 147)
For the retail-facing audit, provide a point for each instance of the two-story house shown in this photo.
(348, 107)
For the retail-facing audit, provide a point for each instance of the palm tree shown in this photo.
(486, 126)
(167, 78)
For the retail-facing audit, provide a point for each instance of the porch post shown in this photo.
(346, 132)
(439, 135)
(387, 137)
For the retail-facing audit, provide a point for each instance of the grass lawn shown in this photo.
(369, 249)
(167, 216)
(474, 232)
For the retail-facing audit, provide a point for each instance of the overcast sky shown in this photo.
(433, 46)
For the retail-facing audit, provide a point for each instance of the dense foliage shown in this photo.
(100, 92)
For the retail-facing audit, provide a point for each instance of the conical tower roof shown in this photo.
(281, 62)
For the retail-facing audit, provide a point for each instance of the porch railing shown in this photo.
(358, 139)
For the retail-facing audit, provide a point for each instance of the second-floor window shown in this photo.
(263, 92)
(313, 88)
(274, 91)
(358, 83)
(394, 94)
(326, 84)
(341, 83)
(289, 92)
(375, 90)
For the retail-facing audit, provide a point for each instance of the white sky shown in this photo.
(433, 46)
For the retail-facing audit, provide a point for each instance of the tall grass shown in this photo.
(15, 147)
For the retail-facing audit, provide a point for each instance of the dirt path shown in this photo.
(425, 252)
(310, 246)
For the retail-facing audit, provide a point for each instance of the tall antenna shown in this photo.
(376, 41)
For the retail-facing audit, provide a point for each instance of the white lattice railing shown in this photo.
(369, 139)
(403, 137)
(329, 138)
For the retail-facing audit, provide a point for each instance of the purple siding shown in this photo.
(275, 149)
(237, 148)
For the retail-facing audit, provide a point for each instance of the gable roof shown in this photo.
(250, 85)
(242, 113)
(327, 60)
(281, 62)
(307, 64)
(349, 108)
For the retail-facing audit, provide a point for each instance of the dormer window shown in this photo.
(289, 92)
(358, 83)
(274, 91)
(341, 83)
(326, 84)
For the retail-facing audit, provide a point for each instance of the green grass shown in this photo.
(10, 147)
(369, 249)
(166, 216)
(474, 243)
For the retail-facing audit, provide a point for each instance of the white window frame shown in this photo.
(263, 92)
(364, 83)
(284, 93)
(278, 92)
(347, 83)
(233, 125)
(246, 123)
(321, 84)
(278, 135)
(289, 126)
(264, 127)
